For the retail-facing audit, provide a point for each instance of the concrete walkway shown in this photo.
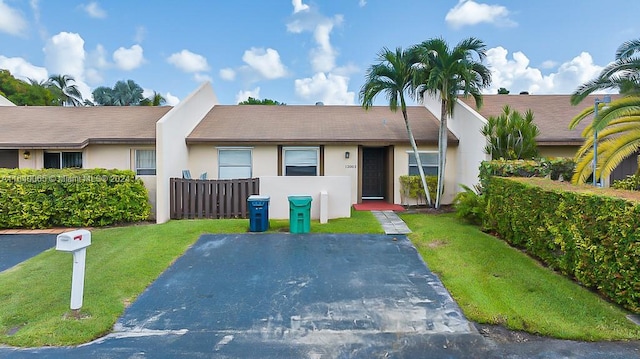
(391, 223)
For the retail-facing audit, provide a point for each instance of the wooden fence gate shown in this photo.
(195, 198)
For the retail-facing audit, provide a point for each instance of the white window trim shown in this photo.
(135, 161)
(303, 148)
(250, 149)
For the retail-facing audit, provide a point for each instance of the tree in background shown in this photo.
(392, 76)
(22, 93)
(255, 101)
(154, 100)
(449, 72)
(123, 93)
(623, 74)
(64, 90)
(511, 136)
(503, 91)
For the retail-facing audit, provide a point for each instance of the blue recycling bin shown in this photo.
(258, 213)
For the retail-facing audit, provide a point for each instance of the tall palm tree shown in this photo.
(127, 93)
(622, 74)
(62, 87)
(103, 96)
(449, 73)
(618, 127)
(392, 75)
(123, 93)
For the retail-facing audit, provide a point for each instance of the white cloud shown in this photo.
(331, 89)
(299, 6)
(362, 3)
(94, 10)
(128, 59)
(188, 61)
(549, 64)
(266, 62)
(65, 55)
(228, 74)
(244, 95)
(517, 75)
(469, 12)
(11, 20)
(22, 69)
(171, 100)
(323, 56)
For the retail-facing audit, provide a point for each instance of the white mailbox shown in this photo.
(77, 243)
(74, 240)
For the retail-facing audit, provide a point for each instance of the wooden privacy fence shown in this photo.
(195, 198)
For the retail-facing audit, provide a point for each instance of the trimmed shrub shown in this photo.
(630, 183)
(411, 187)
(70, 197)
(589, 236)
(554, 168)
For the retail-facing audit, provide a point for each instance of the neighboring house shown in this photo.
(350, 153)
(552, 114)
(81, 137)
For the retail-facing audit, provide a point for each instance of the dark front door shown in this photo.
(8, 158)
(373, 173)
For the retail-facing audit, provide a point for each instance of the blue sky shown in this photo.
(303, 51)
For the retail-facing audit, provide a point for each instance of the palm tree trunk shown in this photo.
(417, 155)
(442, 150)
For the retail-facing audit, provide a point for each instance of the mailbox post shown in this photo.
(75, 242)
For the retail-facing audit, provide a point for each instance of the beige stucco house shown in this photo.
(345, 153)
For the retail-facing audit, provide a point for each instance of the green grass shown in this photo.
(497, 284)
(121, 263)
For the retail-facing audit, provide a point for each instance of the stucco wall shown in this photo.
(558, 151)
(465, 124)
(335, 164)
(401, 162)
(278, 188)
(172, 153)
(204, 158)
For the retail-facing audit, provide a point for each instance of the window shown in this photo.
(63, 160)
(234, 163)
(301, 161)
(429, 163)
(145, 162)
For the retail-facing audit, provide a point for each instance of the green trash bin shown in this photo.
(299, 214)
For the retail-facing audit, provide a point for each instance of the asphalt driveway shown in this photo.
(16, 248)
(304, 296)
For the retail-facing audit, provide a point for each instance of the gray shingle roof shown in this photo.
(314, 124)
(76, 127)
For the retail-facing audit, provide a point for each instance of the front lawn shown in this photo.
(497, 284)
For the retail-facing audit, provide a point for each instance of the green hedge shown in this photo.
(411, 187)
(553, 168)
(592, 237)
(70, 197)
